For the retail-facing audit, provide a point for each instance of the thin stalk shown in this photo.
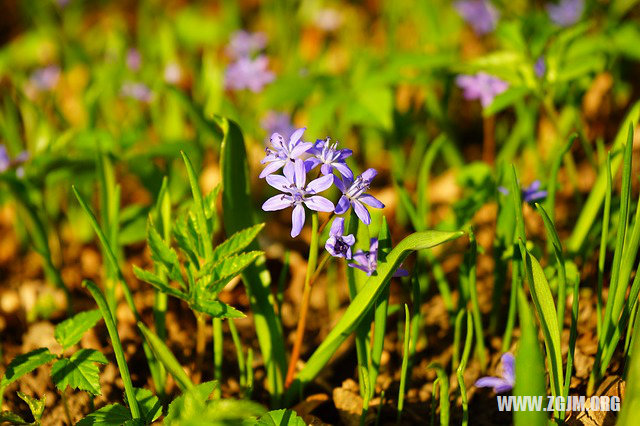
(405, 362)
(239, 352)
(603, 245)
(281, 282)
(201, 341)
(249, 388)
(457, 333)
(463, 365)
(475, 305)
(632, 320)
(306, 296)
(217, 356)
(117, 347)
(513, 301)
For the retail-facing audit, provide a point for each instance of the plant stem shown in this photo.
(217, 356)
(489, 141)
(239, 352)
(306, 295)
(200, 345)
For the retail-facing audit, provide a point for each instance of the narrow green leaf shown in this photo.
(158, 283)
(149, 404)
(109, 415)
(13, 418)
(237, 242)
(365, 300)
(162, 253)
(190, 403)
(79, 372)
(203, 227)
(281, 418)
(24, 364)
(36, 406)
(70, 331)
(163, 353)
(227, 268)
(216, 309)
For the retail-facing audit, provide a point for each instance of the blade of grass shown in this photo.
(603, 245)
(405, 362)
(463, 365)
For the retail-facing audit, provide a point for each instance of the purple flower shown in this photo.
(46, 78)
(339, 245)
(172, 73)
(284, 154)
(328, 19)
(296, 193)
(5, 160)
(480, 14)
(481, 86)
(134, 60)
(565, 12)
(368, 260)
(247, 73)
(530, 194)
(540, 67)
(244, 44)
(137, 90)
(508, 379)
(354, 195)
(278, 122)
(327, 154)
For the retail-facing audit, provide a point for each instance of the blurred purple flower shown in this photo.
(339, 245)
(367, 261)
(247, 73)
(62, 3)
(566, 12)
(5, 160)
(244, 44)
(328, 19)
(283, 153)
(327, 154)
(46, 78)
(278, 122)
(530, 194)
(508, 379)
(481, 86)
(297, 193)
(540, 67)
(137, 90)
(354, 195)
(480, 14)
(134, 60)
(172, 73)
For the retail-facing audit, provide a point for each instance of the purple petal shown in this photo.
(535, 185)
(330, 245)
(369, 174)
(297, 220)
(300, 149)
(490, 382)
(371, 201)
(531, 197)
(509, 367)
(503, 190)
(277, 202)
(300, 173)
(319, 204)
(321, 184)
(342, 185)
(278, 182)
(349, 239)
(373, 247)
(289, 171)
(337, 227)
(326, 169)
(344, 153)
(342, 206)
(277, 141)
(344, 170)
(311, 163)
(400, 272)
(362, 268)
(295, 137)
(361, 212)
(503, 387)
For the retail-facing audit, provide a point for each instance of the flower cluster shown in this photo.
(481, 86)
(297, 158)
(247, 71)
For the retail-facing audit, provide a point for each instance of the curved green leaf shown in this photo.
(79, 371)
(70, 331)
(26, 363)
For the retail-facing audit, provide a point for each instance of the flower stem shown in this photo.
(324, 224)
(306, 295)
(489, 142)
(200, 345)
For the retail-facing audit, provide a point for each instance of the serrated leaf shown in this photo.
(36, 406)
(13, 418)
(24, 364)
(164, 254)
(109, 415)
(216, 309)
(281, 418)
(157, 282)
(150, 406)
(79, 372)
(237, 242)
(210, 202)
(70, 331)
(186, 243)
(228, 267)
(193, 398)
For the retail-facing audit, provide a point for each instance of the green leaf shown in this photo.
(163, 254)
(216, 309)
(228, 267)
(109, 415)
(530, 371)
(24, 364)
(158, 283)
(164, 355)
(36, 406)
(281, 418)
(150, 406)
(194, 408)
(365, 300)
(13, 418)
(545, 307)
(505, 100)
(79, 372)
(237, 242)
(70, 331)
(190, 400)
